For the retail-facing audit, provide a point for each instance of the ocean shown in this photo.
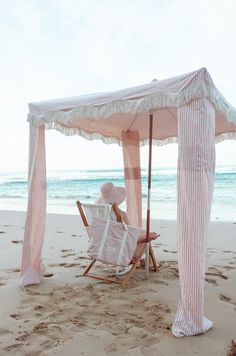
(65, 187)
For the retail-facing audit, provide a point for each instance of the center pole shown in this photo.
(149, 195)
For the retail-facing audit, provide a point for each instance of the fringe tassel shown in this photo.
(108, 140)
(56, 119)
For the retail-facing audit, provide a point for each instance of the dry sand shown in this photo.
(68, 314)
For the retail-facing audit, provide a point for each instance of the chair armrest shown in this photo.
(82, 214)
(152, 236)
(117, 212)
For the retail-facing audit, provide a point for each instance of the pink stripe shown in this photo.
(196, 166)
(132, 173)
(131, 157)
(31, 267)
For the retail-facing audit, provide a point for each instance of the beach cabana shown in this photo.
(187, 109)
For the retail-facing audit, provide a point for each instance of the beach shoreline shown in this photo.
(70, 314)
(65, 187)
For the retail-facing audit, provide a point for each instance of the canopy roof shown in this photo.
(106, 115)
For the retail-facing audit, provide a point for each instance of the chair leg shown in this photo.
(131, 272)
(89, 267)
(105, 279)
(153, 258)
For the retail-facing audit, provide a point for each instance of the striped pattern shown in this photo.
(131, 157)
(196, 166)
(31, 267)
(132, 173)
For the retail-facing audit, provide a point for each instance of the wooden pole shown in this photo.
(149, 194)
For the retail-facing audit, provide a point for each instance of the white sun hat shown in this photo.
(111, 194)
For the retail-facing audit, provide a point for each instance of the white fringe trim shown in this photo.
(226, 136)
(149, 102)
(109, 140)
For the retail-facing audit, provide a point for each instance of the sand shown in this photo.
(68, 314)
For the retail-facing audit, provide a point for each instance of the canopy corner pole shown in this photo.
(149, 194)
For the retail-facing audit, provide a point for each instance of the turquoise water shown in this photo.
(65, 187)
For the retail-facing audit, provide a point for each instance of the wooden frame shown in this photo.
(134, 262)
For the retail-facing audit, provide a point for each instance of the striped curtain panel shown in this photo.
(31, 267)
(132, 171)
(196, 167)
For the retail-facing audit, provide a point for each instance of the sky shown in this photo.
(59, 48)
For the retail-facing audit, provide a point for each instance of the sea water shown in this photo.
(64, 188)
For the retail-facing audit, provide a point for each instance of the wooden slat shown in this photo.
(82, 214)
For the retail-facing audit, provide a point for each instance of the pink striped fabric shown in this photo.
(31, 267)
(196, 166)
(131, 157)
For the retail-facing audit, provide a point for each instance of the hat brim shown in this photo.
(117, 196)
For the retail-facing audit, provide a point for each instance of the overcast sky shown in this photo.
(59, 48)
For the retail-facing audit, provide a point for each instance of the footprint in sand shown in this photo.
(4, 332)
(165, 326)
(211, 281)
(69, 265)
(170, 251)
(2, 284)
(62, 264)
(228, 268)
(220, 275)
(226, 299)
(48, 275)
(2, 232)
(17, 270)
(12, 347)
(17, 241)
(38, 307)
(174, 271)
(213, 271)
(68, 254)
(22, 337)
(160, 282)
(82, 258)
(15, 316)
(41, 327)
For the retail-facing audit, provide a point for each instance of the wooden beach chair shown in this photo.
(87, 213)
